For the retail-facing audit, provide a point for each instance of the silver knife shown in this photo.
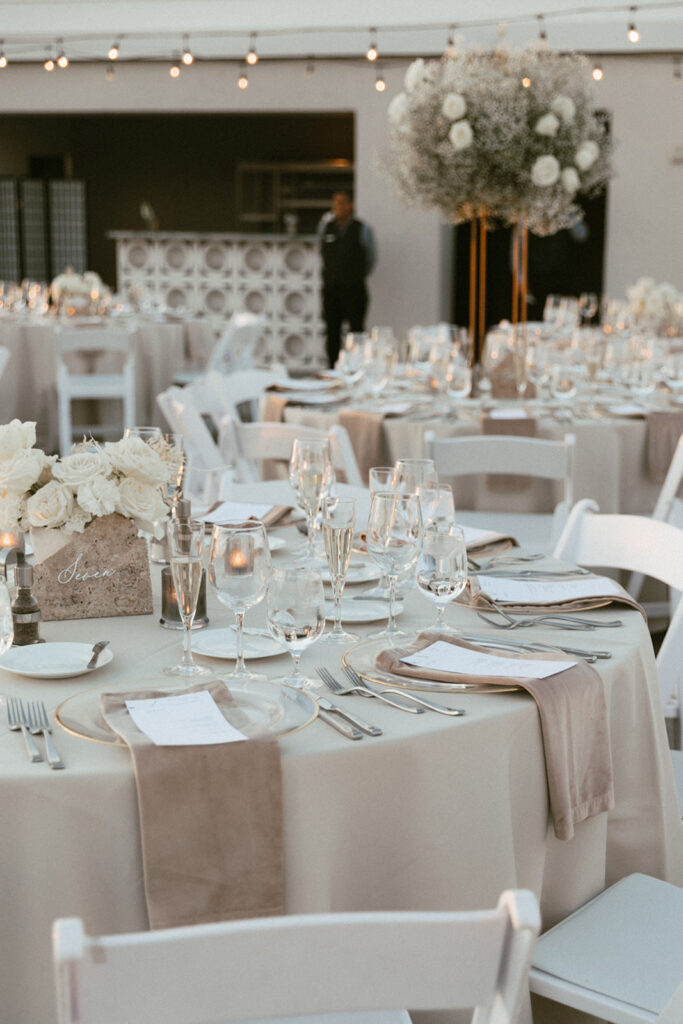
(96, 651)
(340, 725)
(360, 723)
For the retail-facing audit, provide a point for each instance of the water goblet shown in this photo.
(563, 388)
(409, 474)
(458, 383)
(338, 520)
(239, 568)
(311, 476)
(442, 567)
(145, 433)
(380, 478)
(186, 546)
(295, 613)
(393, 538)
(437, 505)
(205, 485)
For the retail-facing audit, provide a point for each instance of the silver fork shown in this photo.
(40, 723)
(559, 621)
(364, 688)
(336, 687)
(17, 720)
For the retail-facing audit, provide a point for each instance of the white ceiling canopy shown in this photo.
(221, 29)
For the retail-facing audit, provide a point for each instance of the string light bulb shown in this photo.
(174, 70)
(3, 58)
(380, 84)
(252, 56)
(372, 52)
(113, 53)
(633, 33)
(542, 34)
(526, 82)
(49, 64)
(187, 57)
(598, 73)
(62, 59)
(243, 80)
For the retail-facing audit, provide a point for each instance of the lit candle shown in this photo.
(11, 540)
(239, 555)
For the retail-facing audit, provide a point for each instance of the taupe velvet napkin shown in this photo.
(479, 598)
(366, 433)
(511, 427)
(663, 432)
(273, 405)
(210, 818)
(573, 712)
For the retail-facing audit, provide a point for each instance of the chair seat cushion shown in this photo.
(627, 943)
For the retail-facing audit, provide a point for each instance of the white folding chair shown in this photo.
(272, 967)
(119, 347)
(247, 445)
(504, 455)
(236, 347)
(184, 419)
(619, 957)
(637, 544)
(220, 394)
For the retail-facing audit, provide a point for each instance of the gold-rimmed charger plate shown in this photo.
(276, 706)
(362, 659)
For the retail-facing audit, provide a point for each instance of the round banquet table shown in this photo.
(164, 346)
(437, 813)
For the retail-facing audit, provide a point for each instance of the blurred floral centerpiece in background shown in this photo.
(74, 293)
(656, 306)
(508, 133)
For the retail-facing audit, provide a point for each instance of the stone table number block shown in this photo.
(101, 572)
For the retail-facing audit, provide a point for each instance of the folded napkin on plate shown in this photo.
(573, 712)
(487, 542)
(366, 433)
(527, 595)
(663, 432)
(210, 818)
(509, 426)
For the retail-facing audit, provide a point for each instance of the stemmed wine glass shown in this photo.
(311, 476)
(339, 517)
(437, 505)
(393, 538)
(239, 569)
(458, 383)
(563, 388)
(295, 613)
(380, 478)
(442, 567)
(409, 474)
(186, 546)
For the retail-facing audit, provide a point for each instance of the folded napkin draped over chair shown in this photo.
(663, 432)
(574, 725)
(366, 431)
(210, 818)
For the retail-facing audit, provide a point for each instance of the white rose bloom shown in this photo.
(77, 521)
(460, 135)
(98, 496)
(398, 108)
(12, 509)
(52, 505)
(143, 503)
(565, 108)
(547, 125)
(415, 75)
(586, 155)
(134, 458)
(14, 436)
(81, 466)
(570, 180)
(546, 171)
(23, 470)
(453, 106)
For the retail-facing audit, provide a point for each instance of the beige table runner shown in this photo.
(663, 432)
(210, 818)
(574, 724)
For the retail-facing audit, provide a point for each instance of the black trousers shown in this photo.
(339, 304)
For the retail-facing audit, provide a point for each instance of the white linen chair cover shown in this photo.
(120, 345)
(236, 347)
(350, 965)
(653, 548)
(504, 455)
(246, 445)
(619, 957)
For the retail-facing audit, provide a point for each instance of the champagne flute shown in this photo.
(442, 567)
(311, 476)
(394, 536)
(239, 569)
(186, 545)
(380, 478)
(339, 517)
(295, 613)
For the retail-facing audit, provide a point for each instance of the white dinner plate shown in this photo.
(362, 611)
(358, 572)
(220, 643)
(52, 660)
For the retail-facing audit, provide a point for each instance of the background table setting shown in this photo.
(416, 808)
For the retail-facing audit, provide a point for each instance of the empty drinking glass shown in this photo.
(442, 567)
(393, 538)
(295, 611)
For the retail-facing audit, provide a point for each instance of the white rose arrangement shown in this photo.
(38, 490)
(512, 133)
(78, 289)
(658, 306)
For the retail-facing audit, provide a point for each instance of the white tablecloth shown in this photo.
(28, 387)
(437, 813)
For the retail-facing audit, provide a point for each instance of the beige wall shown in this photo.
(410, 285)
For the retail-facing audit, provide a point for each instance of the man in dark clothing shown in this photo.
(347, 246)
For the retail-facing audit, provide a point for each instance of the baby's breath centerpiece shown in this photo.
(512, 134)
